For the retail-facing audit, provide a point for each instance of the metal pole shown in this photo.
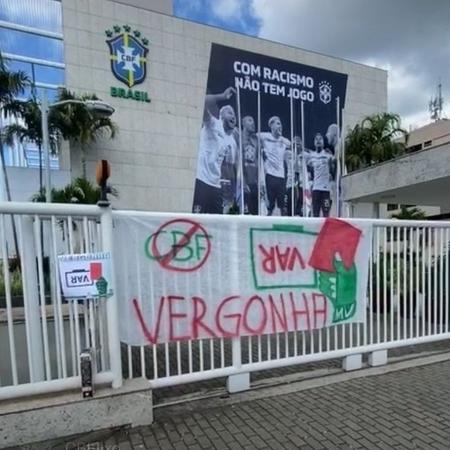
(338, 158)
(306, 208)
(241, 156)
(111, 304)
(33, 329)
(46, 146)
(259, 153)
(3, 189)
(241, 381)
(346, 206)
(342, 143)
(293, 152)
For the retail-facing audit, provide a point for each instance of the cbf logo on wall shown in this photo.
(325, 92)
(128, 54)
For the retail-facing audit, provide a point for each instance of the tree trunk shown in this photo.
(8, 196)
(40, 169)
(83, 161)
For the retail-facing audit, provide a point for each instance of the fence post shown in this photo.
(239, 382)
(352, 362)
(111, 303)
(378, 358)
(31, 300)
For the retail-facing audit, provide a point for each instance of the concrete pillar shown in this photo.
(31, 300)
(241, 381)
(375, 210)
(378, 358)
(352, 362)
(238, 383)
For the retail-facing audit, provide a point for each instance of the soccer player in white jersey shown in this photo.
(332, 139)
(298, 178)
(250, 165)
(322, 166)
(274, 147)
(217, 145)
(332, 146)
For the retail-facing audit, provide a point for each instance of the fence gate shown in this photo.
(42, 334)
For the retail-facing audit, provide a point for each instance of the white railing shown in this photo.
(407, 304)
(41, 335)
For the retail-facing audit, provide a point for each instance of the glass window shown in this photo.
(52, 94)
(43, 14)
(26, 44)
(414, 148)
(50, 75)
(39, 73)
(15, 66)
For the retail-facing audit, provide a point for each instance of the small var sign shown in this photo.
(86, 275)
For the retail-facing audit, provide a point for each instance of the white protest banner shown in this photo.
(193, 277)
(86, 275)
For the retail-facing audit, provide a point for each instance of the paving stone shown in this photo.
(398, 410)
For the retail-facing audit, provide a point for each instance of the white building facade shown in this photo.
(154, 156)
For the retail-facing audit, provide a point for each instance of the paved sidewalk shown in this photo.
(399, 410)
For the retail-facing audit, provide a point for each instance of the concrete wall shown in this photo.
(24, 181)
(436, 133)
(420, 178)
(155, 155)
(365, 210)
(162, 6)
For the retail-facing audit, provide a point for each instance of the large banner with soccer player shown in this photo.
(270, 137)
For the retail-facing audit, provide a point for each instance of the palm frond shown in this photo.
(375, 139)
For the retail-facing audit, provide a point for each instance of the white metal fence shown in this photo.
(407, 304)
(41, 335)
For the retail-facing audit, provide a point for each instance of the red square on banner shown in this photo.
(96, 270)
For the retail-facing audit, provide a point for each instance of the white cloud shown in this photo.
(227, 9)
(407, 90)
(409, 38)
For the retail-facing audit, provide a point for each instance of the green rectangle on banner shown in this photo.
(280, 228)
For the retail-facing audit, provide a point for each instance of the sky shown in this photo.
(409, 38)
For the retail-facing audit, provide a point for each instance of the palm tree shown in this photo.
(79, 191)
(409, 213)
(12, 84)
(30, 128)
(79, 125)
(377, 138)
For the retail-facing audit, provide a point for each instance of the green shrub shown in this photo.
(15, 279)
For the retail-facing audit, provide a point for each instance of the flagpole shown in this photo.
(342, 146)
(338, 157)
(259, 152)
(345, 211)
(304, 168)
(241, 166)
(292, 157)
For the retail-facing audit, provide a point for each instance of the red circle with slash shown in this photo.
(167, 260)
